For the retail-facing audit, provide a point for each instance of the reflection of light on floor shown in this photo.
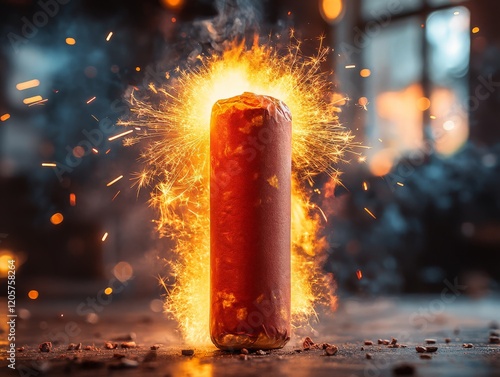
(193, 367)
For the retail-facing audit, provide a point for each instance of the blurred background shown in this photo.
(419, 205)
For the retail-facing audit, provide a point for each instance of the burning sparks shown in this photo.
(105, 235)
(90, 100)
(114, 181)
(27, 84)
(177, 166)
(4, 117)
(49, 164)
(31, 100)
(109, 36)
(120, 135)
(370, 213)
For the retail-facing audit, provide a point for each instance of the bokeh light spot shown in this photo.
(56, 218)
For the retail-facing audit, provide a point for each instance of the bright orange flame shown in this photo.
(4, 117)
(70, 41)
(179, 160)
(72, 199)
(33, 294)
(475, 30)
(56, 218)
(108, 291)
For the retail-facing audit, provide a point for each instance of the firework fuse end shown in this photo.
(250, 217)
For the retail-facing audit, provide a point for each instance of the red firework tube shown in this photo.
(250, 220)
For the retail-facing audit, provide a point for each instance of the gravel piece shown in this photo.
(45, 347)
(421, 349)
(244, 351)
(467, 345)
(368, 343)
(494, 340)
(431, 349)
(128, 345)
(332, 350)
(430, 341)
(369, 356)
(425, 356)
(187, 352)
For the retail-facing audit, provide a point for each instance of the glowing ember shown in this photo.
(33, 99)
(109, 36)
(359, 274)
(178, 114)
(4, 117)
(104, 236)
(27, 84)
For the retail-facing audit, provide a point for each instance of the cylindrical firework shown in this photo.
(250, 194)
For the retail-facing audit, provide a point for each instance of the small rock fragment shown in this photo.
(110, 345)
(332, 350)
(431, 349)
(369, 356)
(467, 345)
(155, 347)
(380, 341)
(244, 351)
(447, 340)
(386, 342)
(421, 349)
(128, 345)
(45, 347)
(393, 346)
(71, 347)
(260, 352)
(430, 341)
(307, 343)
(368, 343)
(404, 370)
(78, 347)
(425, 356)
(394, 341)
(243, 356)
(20, 349)
(362, 348)
(187, 352)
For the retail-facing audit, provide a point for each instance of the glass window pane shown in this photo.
(448, 35)
(394, 123)
(381, 9)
